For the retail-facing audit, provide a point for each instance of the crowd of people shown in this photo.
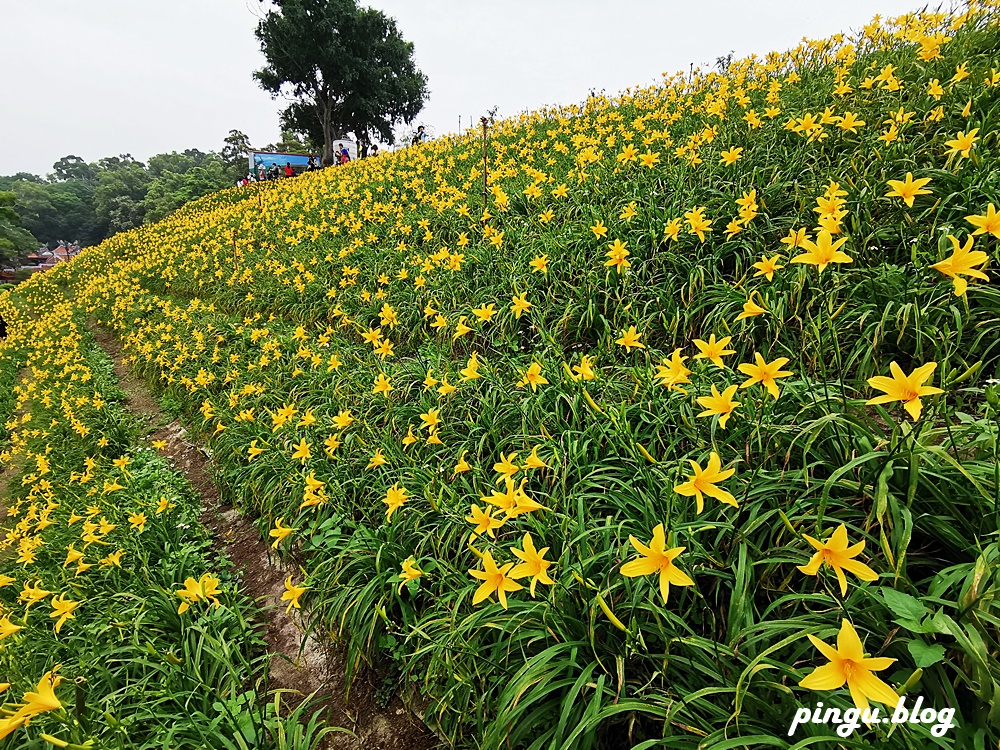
(277, 172)
(341, 156)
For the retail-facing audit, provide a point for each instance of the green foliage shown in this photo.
(88, 202)
(74, 168)
(119, 195)
(235, 154)
(241, 308)
(136, 672)
(178, 181)
(14, 238)
(59, 210)
(348, 68)
(291, 142)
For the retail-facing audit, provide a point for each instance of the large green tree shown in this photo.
(74, 215)
(7, 181)
(74, 168)
(54, 211)
(348, 69)
(235, 154)
(121, 189)
(14, 239)
(180, 178)
(290, 142)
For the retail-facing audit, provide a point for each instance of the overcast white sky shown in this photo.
(102, 77)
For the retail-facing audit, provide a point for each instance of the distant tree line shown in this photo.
(87, 202)
(344, 68)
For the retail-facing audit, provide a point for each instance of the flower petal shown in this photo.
(874, 688)
(644, 566)
(824, 648)
(483, 592)
(812, 567)
(859, 569)
(677, 576)
(827, 677)
(913, 408)
(877, 664)
(841, 578)
(848, 643)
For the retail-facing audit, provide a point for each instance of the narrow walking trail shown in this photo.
(302, 663)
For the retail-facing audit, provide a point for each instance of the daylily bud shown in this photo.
(992, 396)
(912, 682)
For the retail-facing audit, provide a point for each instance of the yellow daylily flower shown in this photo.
(836, 553)
(656, 559)
(849, 665)
(906, 388)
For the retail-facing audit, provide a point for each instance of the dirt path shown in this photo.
(300, 663)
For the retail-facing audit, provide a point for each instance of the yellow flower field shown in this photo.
(681, 416)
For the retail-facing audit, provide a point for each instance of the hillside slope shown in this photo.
(693, 335)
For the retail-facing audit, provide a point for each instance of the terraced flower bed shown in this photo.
(678, 420)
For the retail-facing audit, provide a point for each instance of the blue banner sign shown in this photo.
(267, 158)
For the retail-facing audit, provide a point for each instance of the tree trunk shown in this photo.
(327, 158)
(323, 108)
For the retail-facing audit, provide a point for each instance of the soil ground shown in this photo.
(301, 664)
